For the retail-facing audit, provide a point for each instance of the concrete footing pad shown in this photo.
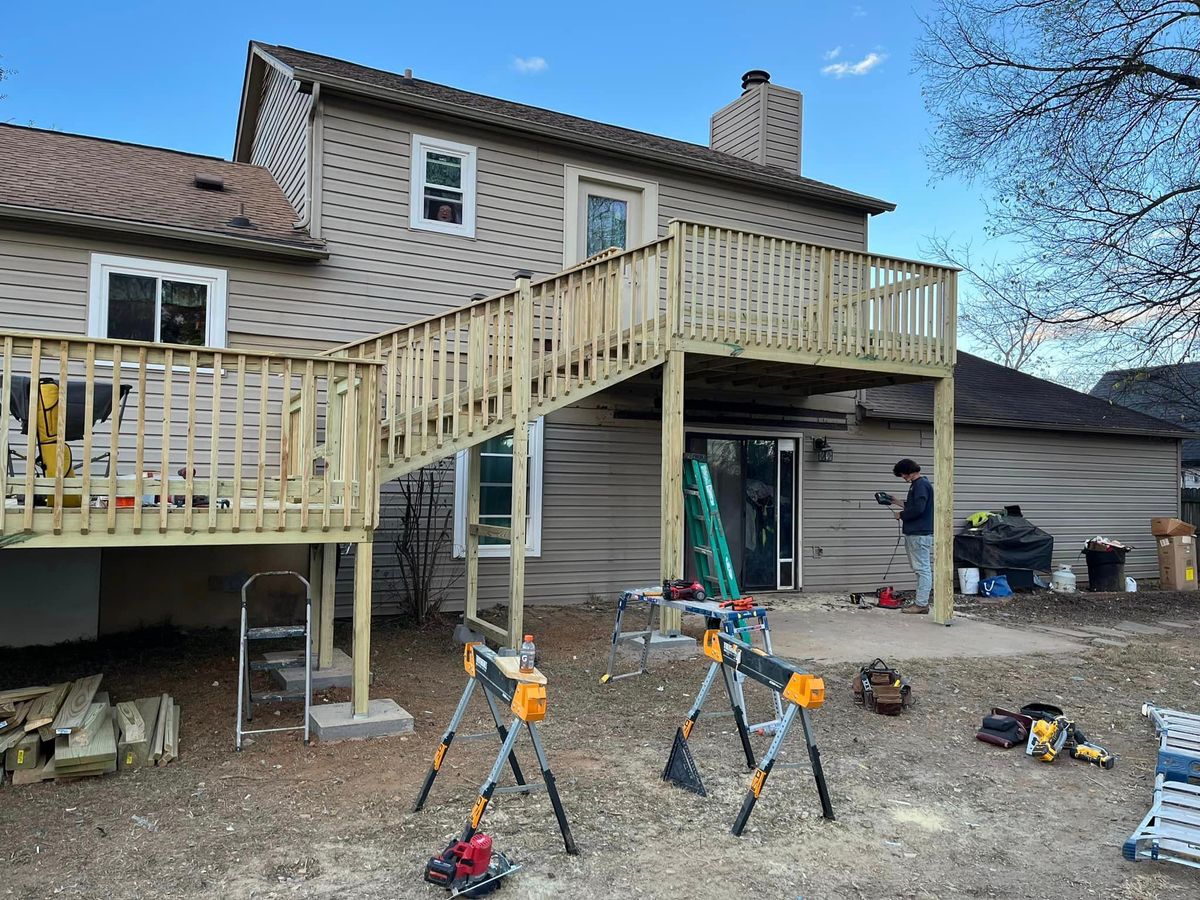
(339, 674)
(670, 646)
(336, 722)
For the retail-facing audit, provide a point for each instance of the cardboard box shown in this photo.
(1177, 563)
(1165, 526)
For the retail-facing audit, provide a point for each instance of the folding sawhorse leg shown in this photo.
(622, 604)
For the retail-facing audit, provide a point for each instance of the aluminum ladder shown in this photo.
(247, 666)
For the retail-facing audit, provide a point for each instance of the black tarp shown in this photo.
(1004, 542)
(102, 403)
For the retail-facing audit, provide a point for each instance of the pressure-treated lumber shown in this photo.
(160, 728)
(133, 754)
(329, 557)
(46, 707)
(170, 736)
(361, 683)
(12, 696)
(77, 704)
(671, 513)
(25, 754)
(943, 495)
(522, 399)
(44, 772)
(129, 718)
(90, 745)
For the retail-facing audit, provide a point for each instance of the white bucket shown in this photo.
(968, 581)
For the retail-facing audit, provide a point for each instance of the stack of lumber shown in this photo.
(73, 730)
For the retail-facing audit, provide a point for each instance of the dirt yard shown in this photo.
(923, 809)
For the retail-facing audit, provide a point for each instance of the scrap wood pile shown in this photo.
(72, 730)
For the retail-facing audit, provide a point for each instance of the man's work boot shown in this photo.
(915, 610)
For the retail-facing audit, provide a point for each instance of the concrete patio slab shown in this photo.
(826, 635)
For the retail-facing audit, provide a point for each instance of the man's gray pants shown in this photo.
(919, 548)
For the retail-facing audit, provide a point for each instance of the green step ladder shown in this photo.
(714, 566)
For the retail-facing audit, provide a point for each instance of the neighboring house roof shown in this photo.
(73, 180)
(356, 79)
(989, 394)
(1171, 393)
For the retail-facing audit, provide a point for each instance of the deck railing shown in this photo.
(748, 289)
(450, 379)
(199, 440)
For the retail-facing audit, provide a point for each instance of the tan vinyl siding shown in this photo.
(737, 128)
(781, 132)
(1073, 486)
(281, 137)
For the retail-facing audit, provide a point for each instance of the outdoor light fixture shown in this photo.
(822, 449)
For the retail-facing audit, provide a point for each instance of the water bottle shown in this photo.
(528, 654)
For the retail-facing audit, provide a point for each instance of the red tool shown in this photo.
(681, 589)
(888, 599)
(742, 604)
(468, 868)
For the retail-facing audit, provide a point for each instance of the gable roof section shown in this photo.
(989, 394)
(73, 180)
(1171, 393)
(352, 78)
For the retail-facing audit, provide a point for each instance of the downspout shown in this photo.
(311, 220)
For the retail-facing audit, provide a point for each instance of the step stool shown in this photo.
(246, 696)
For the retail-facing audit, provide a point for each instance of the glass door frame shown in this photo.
(692, 430)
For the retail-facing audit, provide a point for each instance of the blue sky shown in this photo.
(170, 74)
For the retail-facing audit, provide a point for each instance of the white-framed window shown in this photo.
(495, 493)
(604, 209)
(443, 186)
(155, 300)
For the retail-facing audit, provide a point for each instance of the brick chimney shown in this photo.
(763, 125)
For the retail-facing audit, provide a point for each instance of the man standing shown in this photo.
(916, 516)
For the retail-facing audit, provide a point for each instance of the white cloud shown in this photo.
(530, 65)
(834, 53)
(858, 12)
(862, 67)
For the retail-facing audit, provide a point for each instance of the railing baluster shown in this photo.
(114, 444)
(330, 444)
(60, 438)
(391, 397)
(308, 431)
(239, 426)
(139, 450)
(441, 383)
(35, 393)
(264, 388)
(164, 497)
(214, 443)
(89, 407)
(349, 446)
(189, 475)
(285, 445)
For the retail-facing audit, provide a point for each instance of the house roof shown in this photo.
(992, 395)
(1171, 393)
(80, 181)
(353, 78)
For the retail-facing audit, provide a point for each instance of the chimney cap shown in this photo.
(755, 77)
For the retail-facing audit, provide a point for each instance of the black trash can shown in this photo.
(1106, 569)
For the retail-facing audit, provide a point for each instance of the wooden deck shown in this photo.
(219, 446)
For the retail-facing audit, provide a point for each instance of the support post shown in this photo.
(316, 584)
(521, 403)
(943, 494)
(363, 555)
(474, 460)
(671, 522)
(329, 554)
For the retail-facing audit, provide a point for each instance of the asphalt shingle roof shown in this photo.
(52, 171)
(986, 393)
(1171, 393)
(569, 126)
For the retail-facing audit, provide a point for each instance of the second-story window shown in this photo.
(443, 186)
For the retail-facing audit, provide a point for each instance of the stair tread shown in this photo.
(270, 632)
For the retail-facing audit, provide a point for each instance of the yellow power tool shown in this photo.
(1047, 737)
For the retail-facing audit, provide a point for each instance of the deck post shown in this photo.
(943, 493)
(522, 400)
(471, 551)
(363, 555)
(671, 522)
(315, 584)
(329, 554)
